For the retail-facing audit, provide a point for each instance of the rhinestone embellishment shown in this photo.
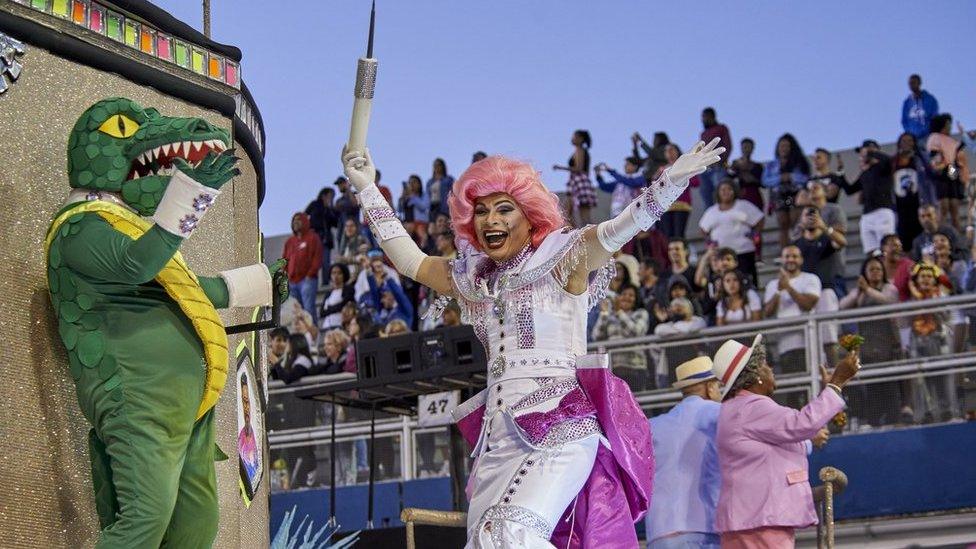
(520, 515)
(498, 309)
(188, 223)
(203, 202)
(498, 366)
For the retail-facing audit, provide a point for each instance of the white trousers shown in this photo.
(875, 225)
(518, 492)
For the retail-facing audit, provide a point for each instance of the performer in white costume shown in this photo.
(563, 451)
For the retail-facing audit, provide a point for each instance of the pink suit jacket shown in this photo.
(762, 452)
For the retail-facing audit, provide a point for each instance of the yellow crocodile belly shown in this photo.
(181, 285)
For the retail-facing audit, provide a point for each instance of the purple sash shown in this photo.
(618, 491)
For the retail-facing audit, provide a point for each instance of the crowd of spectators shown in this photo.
(910, 230)
(680, 277)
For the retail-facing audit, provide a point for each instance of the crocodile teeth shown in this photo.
(166, 148)
(135, 175)
(186, 147)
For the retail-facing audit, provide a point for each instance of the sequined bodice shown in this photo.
(528, 323)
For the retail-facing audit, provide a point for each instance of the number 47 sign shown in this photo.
(435, 409)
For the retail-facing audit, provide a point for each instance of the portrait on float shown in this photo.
(250, 428)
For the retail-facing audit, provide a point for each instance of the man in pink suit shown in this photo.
(763, 447)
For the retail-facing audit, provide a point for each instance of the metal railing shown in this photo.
(901, 372)
(926, 369)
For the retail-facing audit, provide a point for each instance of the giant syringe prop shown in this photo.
(363, 93)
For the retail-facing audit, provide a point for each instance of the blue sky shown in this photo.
(517, 77)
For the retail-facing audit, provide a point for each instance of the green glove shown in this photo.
(213, 171)
(279, 278)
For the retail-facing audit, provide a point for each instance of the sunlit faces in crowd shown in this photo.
(791, 259)
(627, 299)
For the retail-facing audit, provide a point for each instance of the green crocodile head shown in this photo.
(120, 147)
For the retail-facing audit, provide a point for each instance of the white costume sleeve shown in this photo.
(183, 205)
(248, 286)
(641, 214)
(657, 197)
(389, 232)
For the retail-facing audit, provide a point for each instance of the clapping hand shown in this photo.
(862, 284)
(660, 313)
(784, 281)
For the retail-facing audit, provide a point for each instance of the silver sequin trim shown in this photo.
(571, 431)
(524, 321)
(510, 363)
(647, 201)
(600, 285)
(536, 361)
(548, 392)
(466, 286)
(481, 331)
(520, 515)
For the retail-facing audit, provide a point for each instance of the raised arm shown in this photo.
(409, 260)
(603, 240)
(775, 424)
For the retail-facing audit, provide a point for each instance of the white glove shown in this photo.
(359, 168)
(657, 197)
(382, 220)
(694, 162)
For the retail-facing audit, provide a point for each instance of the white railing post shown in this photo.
(406, 448)
(814, 355)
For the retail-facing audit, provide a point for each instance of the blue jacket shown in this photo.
(636, 181)
(415, 208)
(916, 114)
(770, 177)
(687, 478)
(403, 309)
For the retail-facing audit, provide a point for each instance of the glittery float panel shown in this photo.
(47, 499)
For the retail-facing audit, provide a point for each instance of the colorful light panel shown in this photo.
(148, 41)
(131, 33)
(60, 8)
(216, 68)
(100, 19)
(198, 59)
(79, 12)
(96, 19)
(182, 55)
(164, 47)
(115, 25)
(230, 74)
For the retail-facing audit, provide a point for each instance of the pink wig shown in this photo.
(497, 174)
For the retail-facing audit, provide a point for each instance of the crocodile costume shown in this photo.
(146, 348)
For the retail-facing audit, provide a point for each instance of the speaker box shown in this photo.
(387, 356)
(434, 350)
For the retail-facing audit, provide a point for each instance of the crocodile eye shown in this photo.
(120, 126)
